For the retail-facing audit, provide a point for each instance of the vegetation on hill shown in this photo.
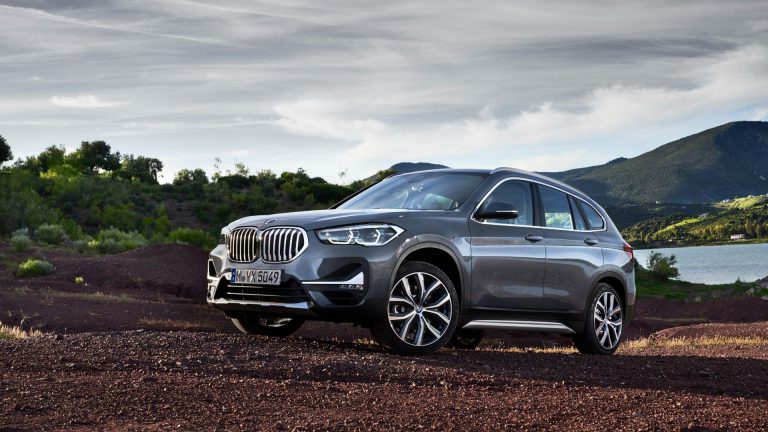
(93, 198)
(723, 162)
(747, 216)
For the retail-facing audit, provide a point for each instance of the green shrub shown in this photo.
(51, 234)
(21, 231)
(191, 236)
(34, 267)
(81, 246)
(20, 243)
(662, 267)
(112, 240)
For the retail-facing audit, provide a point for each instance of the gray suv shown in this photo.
(433, 258)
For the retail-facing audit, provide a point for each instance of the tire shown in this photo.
(422, 311)
(601, 334)
(267, 326)
(466, 339)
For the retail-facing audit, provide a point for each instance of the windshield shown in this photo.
(418, 191)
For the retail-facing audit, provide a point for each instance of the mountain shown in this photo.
(719, 163)
(406, 167)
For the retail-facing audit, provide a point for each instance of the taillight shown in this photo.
(628, 250)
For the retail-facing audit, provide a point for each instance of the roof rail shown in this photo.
(504, 169)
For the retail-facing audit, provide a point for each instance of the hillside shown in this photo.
(748, 216)
(719, 163)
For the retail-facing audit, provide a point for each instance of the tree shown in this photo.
(190, 177)
(663, 267)
(5, 151)
(95, 155)
(51, 158)
(140, 168)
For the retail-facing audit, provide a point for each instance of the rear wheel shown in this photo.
(422, 311)
(466, 339)
(605, 322)
(267, 326)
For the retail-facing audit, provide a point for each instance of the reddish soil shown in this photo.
(135, 373)
(187, 381)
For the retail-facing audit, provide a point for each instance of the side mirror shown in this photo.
(497, 210)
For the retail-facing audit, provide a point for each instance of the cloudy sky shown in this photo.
(357, 86)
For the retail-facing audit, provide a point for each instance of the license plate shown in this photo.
(255, 277)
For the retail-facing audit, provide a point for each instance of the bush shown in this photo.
(81, 246)
(112, 240)
(34, 267)
(51, 234)
(21, 231)
(191, 236)
(20, 243)
(662, 267)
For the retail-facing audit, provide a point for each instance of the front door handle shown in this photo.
(533, 238)
(590, 241)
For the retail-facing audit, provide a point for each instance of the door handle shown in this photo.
(590, 241)
(533, 238)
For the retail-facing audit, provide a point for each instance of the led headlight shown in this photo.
(364, 235)
(224, 236)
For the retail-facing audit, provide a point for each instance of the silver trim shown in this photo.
(506, 179)
(540, 326)
(241, 244)
(357, 279)
(224, 302)
(279, 245)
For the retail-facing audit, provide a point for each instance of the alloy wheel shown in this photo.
(420, 309)
(608, 320)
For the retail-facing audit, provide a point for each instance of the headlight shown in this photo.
(364, 235)
(224, 236)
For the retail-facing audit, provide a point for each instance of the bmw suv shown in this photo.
(433, 258)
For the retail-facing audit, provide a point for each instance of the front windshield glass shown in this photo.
(418, 191)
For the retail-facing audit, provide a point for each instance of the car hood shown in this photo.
(317, 219)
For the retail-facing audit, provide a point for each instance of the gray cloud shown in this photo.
(360, 85)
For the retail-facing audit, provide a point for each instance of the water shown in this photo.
(716, 264)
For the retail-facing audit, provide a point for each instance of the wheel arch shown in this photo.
(436, 254)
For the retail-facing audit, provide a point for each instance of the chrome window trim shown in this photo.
(506, 179)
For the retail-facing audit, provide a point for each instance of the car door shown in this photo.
(508, 255)
(574, 254)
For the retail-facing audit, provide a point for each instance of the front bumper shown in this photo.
(325, 282)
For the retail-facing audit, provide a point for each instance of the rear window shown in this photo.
(557, 211)
(593, 218)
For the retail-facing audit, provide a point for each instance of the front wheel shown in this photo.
(604, 324)
(267, 326)
(422, 311)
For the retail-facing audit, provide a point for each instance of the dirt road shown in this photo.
(206, 381)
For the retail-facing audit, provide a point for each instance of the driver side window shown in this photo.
(517, 194)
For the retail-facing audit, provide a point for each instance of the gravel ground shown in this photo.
(141, 380)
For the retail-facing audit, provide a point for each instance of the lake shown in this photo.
(716, 264)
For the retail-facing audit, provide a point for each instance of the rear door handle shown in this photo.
(591, 241)
(533, 238)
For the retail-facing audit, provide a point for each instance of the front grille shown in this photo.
(243, 244)
(282, 244)
(290, 292)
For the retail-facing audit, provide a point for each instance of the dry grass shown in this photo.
(12, 332)
(684, 342)
(46, 294)
(174, 324)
